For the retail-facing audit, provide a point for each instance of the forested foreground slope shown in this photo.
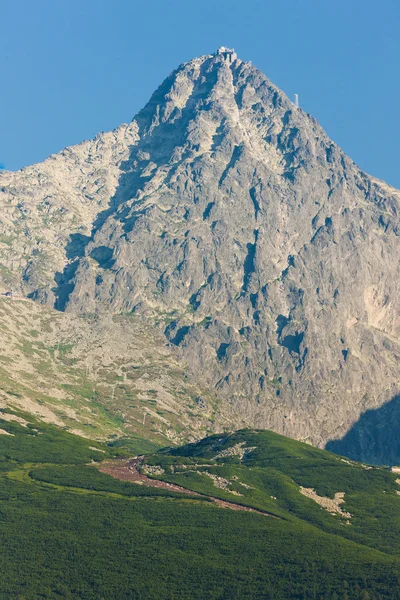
(70, 531)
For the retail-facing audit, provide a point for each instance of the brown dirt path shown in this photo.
(128, 470)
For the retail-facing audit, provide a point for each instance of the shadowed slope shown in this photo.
(374, 438)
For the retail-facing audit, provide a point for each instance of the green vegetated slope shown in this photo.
(69, 531)
(266, 471)
(104, 377)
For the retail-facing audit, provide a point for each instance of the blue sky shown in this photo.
(73, 68)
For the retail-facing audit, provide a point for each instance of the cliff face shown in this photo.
(48, 209)
(226, 216)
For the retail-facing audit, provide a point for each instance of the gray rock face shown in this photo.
(48, 210)
(273, 258)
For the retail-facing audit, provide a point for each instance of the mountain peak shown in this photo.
(226, 217)
(228, 54)
(207, 100)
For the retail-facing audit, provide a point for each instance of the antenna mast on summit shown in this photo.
(296, 100)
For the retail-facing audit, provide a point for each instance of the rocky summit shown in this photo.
(225, 218)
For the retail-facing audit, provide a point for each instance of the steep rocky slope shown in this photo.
(108, 377)
(226, 217)
(48, 210)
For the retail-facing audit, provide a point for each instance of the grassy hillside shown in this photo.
(69, 531)
(102, 377)
(267, 471)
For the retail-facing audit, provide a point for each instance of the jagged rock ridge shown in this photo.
(272, 258)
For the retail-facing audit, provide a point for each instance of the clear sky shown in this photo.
(72, 68)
